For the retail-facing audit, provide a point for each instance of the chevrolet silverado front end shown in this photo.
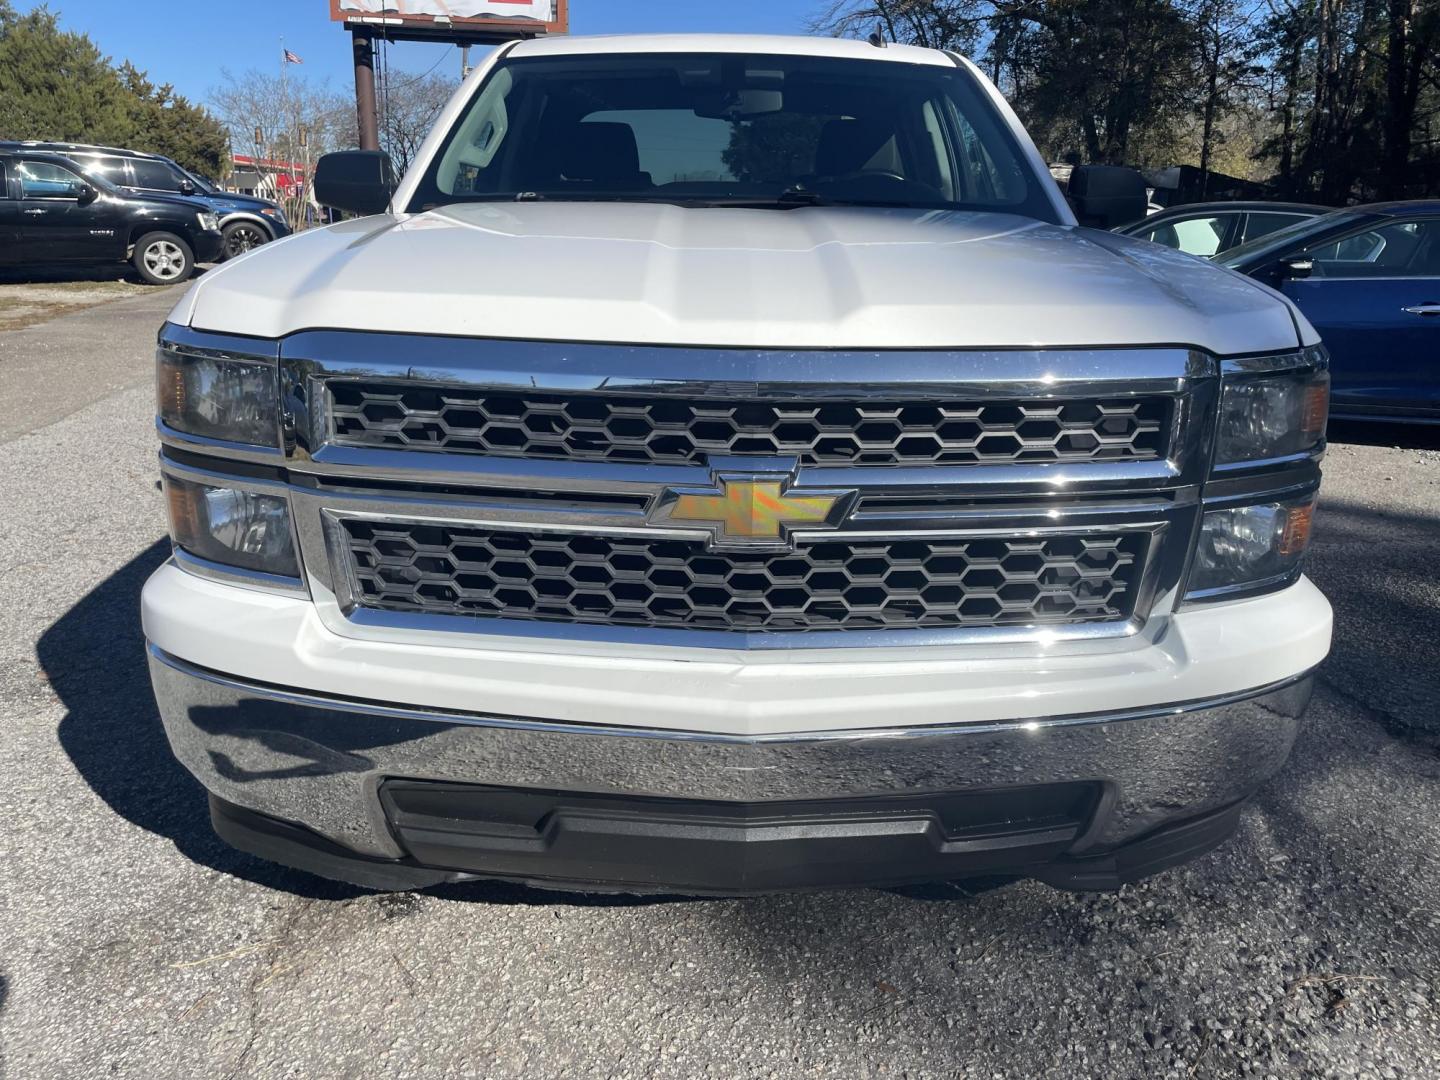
(727, 467)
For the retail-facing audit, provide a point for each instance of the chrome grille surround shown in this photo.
(1155, 502)
(663, 430)
(827, 584)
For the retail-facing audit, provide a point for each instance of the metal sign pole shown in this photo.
(364, 45)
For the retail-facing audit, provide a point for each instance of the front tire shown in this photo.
(243, 236)
(163, 258)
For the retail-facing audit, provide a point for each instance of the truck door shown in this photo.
(9, 221)
(59, 222)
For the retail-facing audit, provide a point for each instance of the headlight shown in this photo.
(234, 401)
(1246, 547)
(209, 222)
(245, 529)
(1267, 414)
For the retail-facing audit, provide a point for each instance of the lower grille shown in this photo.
(832, 584)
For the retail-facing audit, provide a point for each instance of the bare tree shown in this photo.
(279, 118)
(408, 108)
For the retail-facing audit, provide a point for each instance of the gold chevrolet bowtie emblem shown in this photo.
(753, 513)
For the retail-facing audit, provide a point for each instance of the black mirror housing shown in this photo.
(187, 188)
(1297, 268)
(356, 181)
(1104, 196)
(84, 193)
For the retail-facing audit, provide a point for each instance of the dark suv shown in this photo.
(52, 213)
(246, 221)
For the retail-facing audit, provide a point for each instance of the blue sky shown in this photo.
(187, 42)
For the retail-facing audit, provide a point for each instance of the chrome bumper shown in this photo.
(319, 762)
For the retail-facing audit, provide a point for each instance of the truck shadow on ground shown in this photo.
(94, 660)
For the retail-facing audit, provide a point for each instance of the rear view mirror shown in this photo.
(356, 181)
(1104, 196)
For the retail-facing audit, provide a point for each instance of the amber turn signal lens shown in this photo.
(1295, 537)
(1317, 408)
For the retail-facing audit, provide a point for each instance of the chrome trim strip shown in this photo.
(560, 727)
(484, 470)
(236, 575)
(183, 440)
(554, 366)
(189, 342)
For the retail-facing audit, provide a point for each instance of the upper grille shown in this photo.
(665, 431)
(828, 585)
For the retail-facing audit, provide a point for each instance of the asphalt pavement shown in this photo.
(135, 944)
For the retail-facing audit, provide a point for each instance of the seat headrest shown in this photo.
(600, 153)
(847, 144)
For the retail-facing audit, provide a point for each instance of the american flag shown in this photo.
(291, 58)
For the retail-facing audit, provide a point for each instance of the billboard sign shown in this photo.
(523, 16)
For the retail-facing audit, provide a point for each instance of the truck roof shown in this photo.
(756, 44)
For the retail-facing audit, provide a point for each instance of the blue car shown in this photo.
(245, 221)
(1368, 278)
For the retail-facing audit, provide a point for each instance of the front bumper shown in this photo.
(208, 245)
(393, 797)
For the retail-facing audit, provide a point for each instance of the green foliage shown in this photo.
(773, 149)
(56, 85)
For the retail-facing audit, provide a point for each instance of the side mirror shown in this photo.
(1104, 196)
(1297, 268)
(187, 188)
(84, 193)
(357, 181)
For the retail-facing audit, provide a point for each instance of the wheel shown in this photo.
(241, 236)
(162, 258)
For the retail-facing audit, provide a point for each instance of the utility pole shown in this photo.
(365, 108)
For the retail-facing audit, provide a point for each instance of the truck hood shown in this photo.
(811, 277)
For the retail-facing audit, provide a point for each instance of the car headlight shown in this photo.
(1272, 407)
(209, 222)
(1250, 547)
(233, 401)
(231, 526)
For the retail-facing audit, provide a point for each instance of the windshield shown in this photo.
(1282, 238)
(727, 130)
(204, 186)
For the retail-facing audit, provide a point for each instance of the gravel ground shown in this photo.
(132, 943)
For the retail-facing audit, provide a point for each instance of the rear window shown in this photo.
(718, 129)
(155, 175)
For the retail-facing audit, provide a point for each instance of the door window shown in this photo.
(1194, 236)
(1258, 225)
(42, 180)
(107, 168)
(154, 175)
(1398, 249)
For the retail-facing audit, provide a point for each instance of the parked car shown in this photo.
(52, 213)
(245, 220)
(1368, 279)
(1206, 229)
(723, 520)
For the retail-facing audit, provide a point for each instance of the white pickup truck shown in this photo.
(721, 465)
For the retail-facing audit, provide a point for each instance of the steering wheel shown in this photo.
(882, 185)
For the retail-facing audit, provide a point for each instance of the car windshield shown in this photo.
(1282, 238)
(205, 187)
(728, 130)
